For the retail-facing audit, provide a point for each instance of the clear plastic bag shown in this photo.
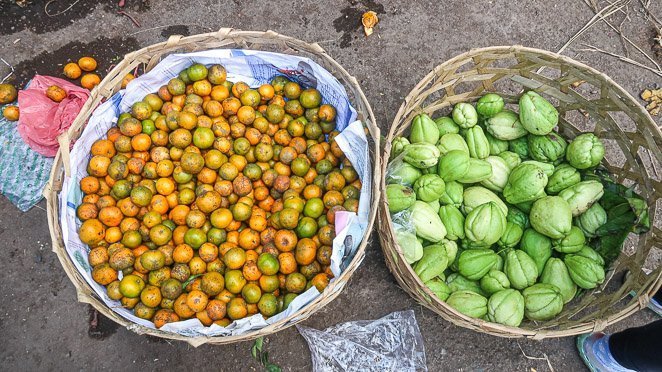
(391, 343)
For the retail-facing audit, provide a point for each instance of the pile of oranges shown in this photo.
(214, 200)
(74, 70)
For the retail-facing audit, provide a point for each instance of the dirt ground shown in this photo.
(42, 325)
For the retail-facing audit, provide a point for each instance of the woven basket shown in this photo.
(599, 105)
(148, 58)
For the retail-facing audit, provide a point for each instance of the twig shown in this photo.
(121, 12)
(650, 14)
(60, 12)
(591, 48)
(10, 72)
(545, 357)
(165, 26)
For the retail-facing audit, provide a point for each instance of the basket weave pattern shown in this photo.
(587, 101)
(148, 58)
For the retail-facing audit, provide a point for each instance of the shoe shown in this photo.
(594, 350)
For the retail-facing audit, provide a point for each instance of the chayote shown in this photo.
(582, 195)
(475, 263)
(453, 165)
(591, 220)
(411, 247)
(446, 125)
(398, 146)
(585, 272)
(433, 262)
(450, 249)
(506, 126)
(537, 246)
(542, 301)
(452, 141)
(439, 288)
(520, 269)
(526, 206)
(485, 224)
(402, 173)
(556, 273)
(479, 146)
(426, 222)
(490, 105)
(453, 194)
(468, 303)
(399, 197)
(585, 151)
(511, 158)
(519, 146)
(551, 216)
(564, 176)
(457, 282)
(571, 243)
(421, 155)
(497, 146)
(500, 173)
(429, 187)
(536, 114)
(434, 204)
(590, 253)
(548, 168)
(494, 281)
(453, 220)
(511, 236)
(478, 170)
(464, 115)
(517, 216)
(424, 129)
(525, 183)
(477, 195)
(506, 307)
(499, 264)
(547, 148)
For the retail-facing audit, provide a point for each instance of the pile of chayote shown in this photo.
(494, 211)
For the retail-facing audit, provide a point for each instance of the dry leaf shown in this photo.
(576, 84)
(369, 20)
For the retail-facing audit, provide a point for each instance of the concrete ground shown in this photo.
(43, 327)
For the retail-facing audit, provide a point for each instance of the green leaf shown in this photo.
(258, 343)
(254, 352)
(265, 358)
(273, 368)
(192, 278)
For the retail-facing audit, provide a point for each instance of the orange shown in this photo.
(87, 64)
(127, 79)
(92, 232)
(86, 211)
(249, 239)
(181, 308)
(208, 252)
(234, 258)
(236, 308)
(197, 300)
(183, 253)
(306, 251)
(287, 263)
(89, 81)
(113, 235)
(164, 316)
(98, 256)
(104, 274)
(141, 142)
(98, 166)
(212, 283)
(251, 271)
(216, 309)
(56, 93)
(72, 71)
(151, 296)
(11, 113)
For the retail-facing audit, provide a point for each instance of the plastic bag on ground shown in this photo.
(391, 343)
(42, 120)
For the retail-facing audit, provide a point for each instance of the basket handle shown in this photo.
(64, 142)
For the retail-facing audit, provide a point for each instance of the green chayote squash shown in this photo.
(424, 129)
(457, 282)
(468, 303)
(511, 236)
(520, 269)
(499, 264)
(497, 146)
(506, 126)
(517, 216)
(453, 220)
(590, 253)
(479, 146)
(398, 146)
(526, 206)
(452, 141)
(548, 168)
(537, 246)
(551, 216)
(464, 115)
(402, 173)
(446, 125)
(536, 114)
(399, 198)
(500, 173)
(556, 273)
(426, 222)
(591, 220)
(582, 195)
(547, 148)
(564, 176)
(429, 187)
(519, 146)
(494, 281)
(478, 195)
(453, 194)
(506, 307)
(542, 301)
(439, 288)
(411, 247)
(478, 170)
(585, 272)
(571, 243)
(585, 151)
(485, 224)
(453, 165)
(511, 158)
(490, 105)
(475, 263)
(434, 204)
(433, 262)
(450, 249)
(525, 183)
(421, 155)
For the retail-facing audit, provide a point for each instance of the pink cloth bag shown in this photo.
(43, 120)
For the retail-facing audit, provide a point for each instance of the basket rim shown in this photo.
(105, 89)
(390, 246)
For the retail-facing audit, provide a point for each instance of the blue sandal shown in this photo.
(594, 350)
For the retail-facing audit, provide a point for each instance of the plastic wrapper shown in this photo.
(391, 343)
(42, 120)
(254, 68)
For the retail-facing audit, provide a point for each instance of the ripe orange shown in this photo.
(72, 71)
(89, 81)
(87, 64)
(11, 113)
